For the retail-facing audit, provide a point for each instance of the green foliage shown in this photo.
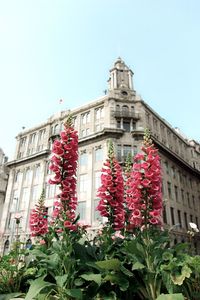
(171, 297)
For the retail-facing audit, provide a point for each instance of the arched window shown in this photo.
(125, 109)
(6, 247)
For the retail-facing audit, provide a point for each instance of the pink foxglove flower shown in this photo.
(64, 165)
(143, 196)
(111, 192)
(38, 218)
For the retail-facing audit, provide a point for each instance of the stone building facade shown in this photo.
(121, 115)
(3, 180)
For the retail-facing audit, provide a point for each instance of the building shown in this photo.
(121, 115)
(3, 180)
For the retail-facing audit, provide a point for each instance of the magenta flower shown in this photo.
(143, 195)
(64, 165)
(38, 218)
(111, 192)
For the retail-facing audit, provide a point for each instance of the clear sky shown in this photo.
(51, 50)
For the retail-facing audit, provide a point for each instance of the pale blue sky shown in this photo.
(64, 49)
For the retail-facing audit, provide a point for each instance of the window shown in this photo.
(118, 124)
(179, 218)
(23, 142)
(75, 122)
(135, 150)
(34, 194)
(166, 167)
(182, 196)
(83, 159)
(173, 172)
(125, 110)
(191, 218)
(55, 129)
(6, 247)
(98, 154)
(27, 176)
(87, 131)
(126, 126)
(186, 222)
(24, 199)
(172, 215)
(126, 150)
(81, 210)
(41, 134)
(164, 215)
(176, 192)
(37, 174)
(50, 191)
(193, 201)
(119, 152)
(83, 183)
(97, 179)
(99, 113)
(169, 190)
(85, 118)
(96, 216)
(14, 205)
(18, 175)
(188, 199)
(32, 138)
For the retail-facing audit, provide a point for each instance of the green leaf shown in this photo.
(10, 296)
(118, 280)
(92, 277)
(170, 297)
(138, 266)
(111, 264)
(75, 293)
(36, 287)
(179, 278)
(78, 282)
(60, 280)
(126, 271)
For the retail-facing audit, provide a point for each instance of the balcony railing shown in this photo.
(125, 114)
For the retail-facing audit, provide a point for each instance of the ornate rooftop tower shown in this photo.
(121, 81)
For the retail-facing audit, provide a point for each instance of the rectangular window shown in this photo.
(24, 199)
(118, 124)
(96, 215)
(81, 210)
(34, 194)
(83, 183)
(98, 154)
(97, 179)
(14, 205)
(193, 201)
(126, 126)
(179, 218)
(119, 152)
(186, 222)
(188, 199)
(85, 118)
(172, 215)
(169, 190)
(182, 196)
(37, 173)
(176, 192)
(166, 167)
(191, 218)
(99, 113)
(164, 215)
(83, 159)
(126, 150)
